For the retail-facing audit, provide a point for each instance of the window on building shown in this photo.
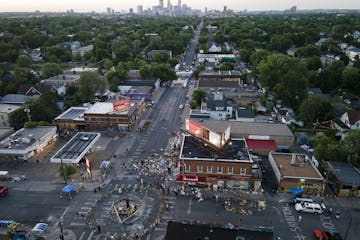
(199, 168)
(219, 169)
(230, 170)
(242, 171)
(187, 168)
(209, 169)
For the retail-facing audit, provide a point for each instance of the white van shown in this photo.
(308, 207)
(181, 106)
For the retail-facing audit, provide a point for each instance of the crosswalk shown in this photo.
(160, 229)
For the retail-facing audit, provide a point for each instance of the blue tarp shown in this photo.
(296, 191)
(68, 188)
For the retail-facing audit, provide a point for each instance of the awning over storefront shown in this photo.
(296, 191)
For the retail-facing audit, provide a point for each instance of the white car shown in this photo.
(256, 158)
(309, 207)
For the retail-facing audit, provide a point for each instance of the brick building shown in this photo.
(296, 171)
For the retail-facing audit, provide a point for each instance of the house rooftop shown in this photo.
(245, 113)
(196, 149)
(218, 84)
(301, 167)
(214, 125)
(8, 108)
(345, 172)
(207, 73)
(15, 99)
(354, 116)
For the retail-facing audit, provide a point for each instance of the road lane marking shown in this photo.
(77, 224)
(63, 214)
(90, 236)
(82, 235)
(189, 208)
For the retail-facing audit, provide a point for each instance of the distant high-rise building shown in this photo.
(131, 11)
(293, 9)
(205, 9)
(179, 3)
(168, 5)
(108, 10)
(140, 10)
(161, 4)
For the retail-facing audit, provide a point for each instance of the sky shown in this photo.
(118, 5)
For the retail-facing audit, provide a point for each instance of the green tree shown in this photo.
(352, 142)
(145, 71)
(50, 70)
(308, 51)
(327, 149)
(163, 71)
(23, 61)
(315, 108)
(24, 75)
(18, 118)
(90, 83)
(226, 66)
(351, 79)
(313, 63)
(285, 76)
(198, 95)
(108, 64)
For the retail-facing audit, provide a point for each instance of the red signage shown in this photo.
(194, 128)
(121, 104)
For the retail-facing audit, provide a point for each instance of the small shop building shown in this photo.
(296, 171)
(344, 179)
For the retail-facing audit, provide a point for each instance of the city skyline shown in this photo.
(236, 5)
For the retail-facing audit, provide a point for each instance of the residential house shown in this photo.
(214, 49)
(352, 52)
(82, 50)
(216, 106)
(64, 79)
(153, 53)
(5, 112)
(35, 55)
(35, 89)
(16, 99)
(351, 118)
(72, 45)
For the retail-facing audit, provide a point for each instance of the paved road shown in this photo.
(190, 52)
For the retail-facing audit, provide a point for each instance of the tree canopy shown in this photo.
(90, 83)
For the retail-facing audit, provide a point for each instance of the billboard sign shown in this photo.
(121, 105)
(194, 128)
(215, 139)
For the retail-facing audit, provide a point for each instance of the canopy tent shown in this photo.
(296, 191)
(105, 164)
(67, 189)
(40, 228)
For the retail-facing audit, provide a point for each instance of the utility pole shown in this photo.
(62, 171)
(61, 235)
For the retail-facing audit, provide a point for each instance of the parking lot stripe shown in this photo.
(90, 236)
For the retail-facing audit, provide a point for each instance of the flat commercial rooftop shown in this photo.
(302, 168)
(194, 148)
(73, 113)
(248, 128)
(26, 137)
(75, 149)
(345, 172)
(187, 230)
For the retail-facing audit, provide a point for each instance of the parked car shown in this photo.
(256, 158)
(3, 191)
(300, 200)
(320, 235)
(309, 207)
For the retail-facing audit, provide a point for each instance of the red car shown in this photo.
(320, 235)
(3, 191)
